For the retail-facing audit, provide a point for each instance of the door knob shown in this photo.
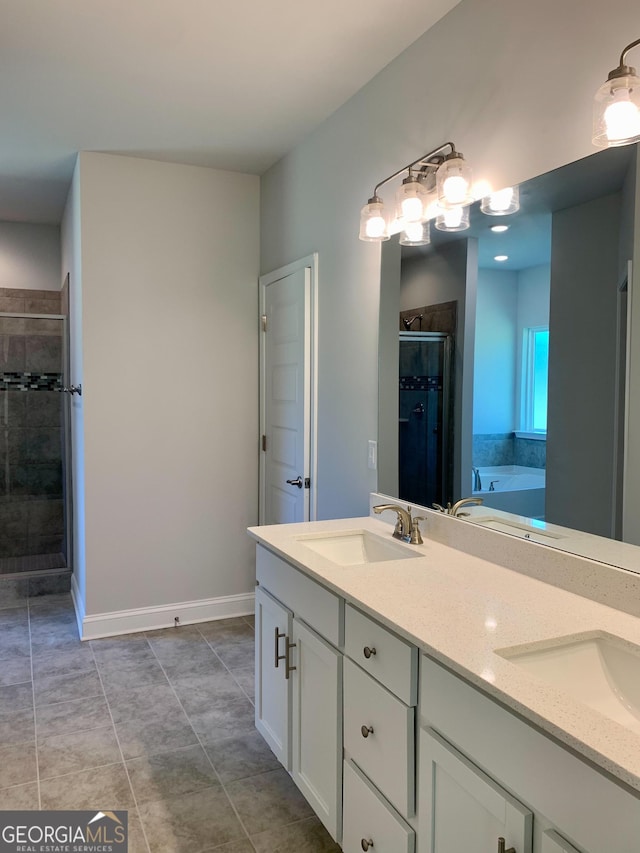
(297, 482)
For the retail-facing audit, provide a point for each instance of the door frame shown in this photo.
(310, 263)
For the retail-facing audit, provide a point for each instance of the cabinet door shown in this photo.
(273, 690)
(317, 725)
(462, 809)
(554, 843)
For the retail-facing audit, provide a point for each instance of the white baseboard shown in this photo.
(163, 616)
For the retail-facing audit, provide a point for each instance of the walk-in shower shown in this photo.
(34, 446)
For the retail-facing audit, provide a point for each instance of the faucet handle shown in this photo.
(416, 536)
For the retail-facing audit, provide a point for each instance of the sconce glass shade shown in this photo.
(373, 225)
(501, 203)
(454, 219)
(411, 198)
(415, 234)
(453, 180)
(616, 109)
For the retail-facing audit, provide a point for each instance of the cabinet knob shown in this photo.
(501, 846)
(366, 731)
(366, 844)
(368, 652)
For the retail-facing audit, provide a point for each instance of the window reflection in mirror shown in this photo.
(538, 378)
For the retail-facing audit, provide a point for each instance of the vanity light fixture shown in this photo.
(499, 229)
(616, 109)
(454, 219)
(442, 171)
(501, 203)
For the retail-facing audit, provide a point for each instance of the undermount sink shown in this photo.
(598, 669)
(352, 547)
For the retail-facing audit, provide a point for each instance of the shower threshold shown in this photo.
(30, 563)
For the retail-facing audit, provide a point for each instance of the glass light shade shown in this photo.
(453, 219)
(416, 234)
(454, 182)
(373, 224)
(501, 203)
(411, 198)
(616, 111)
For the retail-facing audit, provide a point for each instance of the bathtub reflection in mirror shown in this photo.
(538, 388)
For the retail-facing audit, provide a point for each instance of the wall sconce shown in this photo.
(616, 110)
(501, 203)
(440, 172)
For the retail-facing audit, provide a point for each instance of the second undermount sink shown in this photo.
(352, 547)
(598, 669)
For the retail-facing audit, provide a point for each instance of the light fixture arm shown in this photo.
(624, 70)
(421, 161)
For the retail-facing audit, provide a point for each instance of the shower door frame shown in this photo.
(66, 427)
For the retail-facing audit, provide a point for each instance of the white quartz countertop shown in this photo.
(460, 609)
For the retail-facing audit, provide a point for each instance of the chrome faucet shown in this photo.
(477, 482)
(403, 526)
(455, 509)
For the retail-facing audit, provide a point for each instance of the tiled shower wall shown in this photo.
(491, 450)
(31, 434)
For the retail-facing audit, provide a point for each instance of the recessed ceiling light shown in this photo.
(501, 258)
(499, 228)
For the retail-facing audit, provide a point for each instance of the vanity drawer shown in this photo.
(391, 660)
(385, 754)
(369, 818)
(312, 603)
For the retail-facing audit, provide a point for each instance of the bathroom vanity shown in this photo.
(413, 693)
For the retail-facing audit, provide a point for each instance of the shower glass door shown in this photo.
(33, 518)
(424, 417)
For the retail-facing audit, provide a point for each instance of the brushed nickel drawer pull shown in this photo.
(501, 844)
(278, 637)
(366, 844)
(366, 731)
(368, 652)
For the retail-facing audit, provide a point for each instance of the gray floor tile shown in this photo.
(246, 678)
(16, 696)
(14, 617)
(238, 655)
(137, 843)
(226, 632)
(14, 670)
(229, 719)
(306, 836)
(171, 774)
(251, 620)
(50, 601)
(168, 731)
(17, 765)
(65, 688)
(131, 673)
(20, 798)
(13, 593)
(75, 716)
(107, 790)
(240, 757)
(17, 727)
(15, 642)
(201, 662)
(199, 695)
(144, 702)
(66, 661)
(190, 823)
(48, 640)
(242, 846)
(267, 801)
(70, 753)
(118, 650)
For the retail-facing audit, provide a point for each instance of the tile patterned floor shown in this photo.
(159, 723)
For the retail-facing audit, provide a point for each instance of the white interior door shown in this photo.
(286, 396)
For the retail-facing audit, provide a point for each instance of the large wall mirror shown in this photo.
(503, 362)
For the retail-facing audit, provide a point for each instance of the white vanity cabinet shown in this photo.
(380, 695)
(299, 681)
(482, 767)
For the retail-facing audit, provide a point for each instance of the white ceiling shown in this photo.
(232, 85)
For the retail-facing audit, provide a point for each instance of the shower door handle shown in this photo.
(297, 482)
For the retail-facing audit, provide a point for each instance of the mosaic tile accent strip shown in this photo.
(28, 381)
